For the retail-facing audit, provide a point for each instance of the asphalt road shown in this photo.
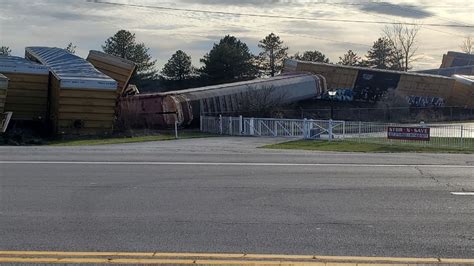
(224, 195)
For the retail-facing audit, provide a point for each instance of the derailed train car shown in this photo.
(82, 99)
(370, 85)
(185, 106)
(146, 110)
(229, 98)
(27, 92)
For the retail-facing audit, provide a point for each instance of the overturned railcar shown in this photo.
(185, 106)
(229, 98)
(82, 99)
(370, 85)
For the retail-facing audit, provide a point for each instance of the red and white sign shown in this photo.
(409, 133)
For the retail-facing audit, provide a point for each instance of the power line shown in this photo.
(402, 8)
(422, 26)
(275, 16)
(464, 6)
(398, 21)
(280, 32)
(382, 4)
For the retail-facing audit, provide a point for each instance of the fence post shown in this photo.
(462, 136)
(360, 131)
(423, 125)
(200, 123)
(275, 128)
(305, 129)
(343, 130)
(292, 126)
(176, 129)
(220, 124)
(252, 126)
(241, 125)
(310, 127)
(259, 122)
(330, 130)
(231, 122)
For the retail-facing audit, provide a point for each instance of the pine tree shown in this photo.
(5, 51)
(350, 59)
(382, 55)
(229, 60)
(71, 48)
(273, 54)
(179, 67)
(123, 44)
(312, 56)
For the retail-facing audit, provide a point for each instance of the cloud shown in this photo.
(241, 2)
(398, 10)
(87, 25)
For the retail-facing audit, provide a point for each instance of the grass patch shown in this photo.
(122, 140)
(352, 146)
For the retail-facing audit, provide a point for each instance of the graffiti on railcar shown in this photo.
(425, 101)
(342, 95)
(371, 85)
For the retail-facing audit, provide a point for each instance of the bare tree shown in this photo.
(468, 45)
(404, 40)
(262, 101)
(395, 106)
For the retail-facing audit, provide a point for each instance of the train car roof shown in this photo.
(466, 79)
(72, 70)
(20, 65)
(293, 61)
(448, 71)
(241, 83)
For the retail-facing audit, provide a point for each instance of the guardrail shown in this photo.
(432, 135)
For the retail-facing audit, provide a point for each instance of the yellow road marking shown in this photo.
(205, 258)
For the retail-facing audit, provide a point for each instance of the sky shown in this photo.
(88, 23)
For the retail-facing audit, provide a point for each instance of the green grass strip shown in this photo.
(122, 140)
(354, 146)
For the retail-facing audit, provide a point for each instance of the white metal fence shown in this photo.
(269, 127)
(441, 135)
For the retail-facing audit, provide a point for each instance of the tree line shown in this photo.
(231, 60)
